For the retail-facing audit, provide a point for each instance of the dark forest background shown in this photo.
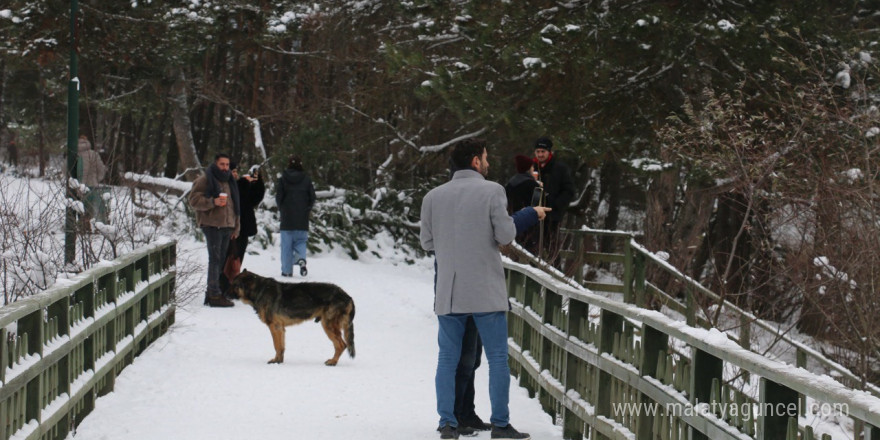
(740, 138)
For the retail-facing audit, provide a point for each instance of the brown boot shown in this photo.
(219, 301)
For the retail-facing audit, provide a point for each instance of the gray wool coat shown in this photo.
(463, 222)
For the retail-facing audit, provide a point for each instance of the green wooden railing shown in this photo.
(633, 262)
(612, 369)
(63, 348)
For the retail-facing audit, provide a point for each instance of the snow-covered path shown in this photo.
(208, 377)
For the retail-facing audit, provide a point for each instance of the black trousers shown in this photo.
(217, 240)
(236, 249)
(471, 352)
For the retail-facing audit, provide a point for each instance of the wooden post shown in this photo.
(60, 311)
(801, 362)
(653, 343)
(4, 417)
(610, 324)
(704, 368)
(776, 405)
(578, 314)
(579, 259)
(691, 311)
(628, 273)
(4, 360)
(32, 325)
(639, 263)
(33, 402)
(745, 331)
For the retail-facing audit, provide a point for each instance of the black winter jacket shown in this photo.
(519, 191)
(251, 194)
(558, 188)
(295, 196)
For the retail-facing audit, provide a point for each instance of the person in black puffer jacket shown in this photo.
(520, 189)
(295, 197)
(251, 190)
(521, 186)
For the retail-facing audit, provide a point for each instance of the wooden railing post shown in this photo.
(610, 324)
(32, 326)
(578, 319)
(5, 420)
(4, 359)
(579, 258)
(704, 369)
(777, 404)
(801, 362)
(59, 311)
(653, 343)
(691, 304)
(628, 296)
(745, 331)
(639, 264)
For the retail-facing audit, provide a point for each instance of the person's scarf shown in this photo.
(214, 176)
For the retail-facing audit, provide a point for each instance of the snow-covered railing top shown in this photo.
(61, 349)
(635, 260)
(623, 371)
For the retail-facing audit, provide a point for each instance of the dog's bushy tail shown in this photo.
(349, 332)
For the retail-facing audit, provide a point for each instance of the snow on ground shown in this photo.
(208, 377)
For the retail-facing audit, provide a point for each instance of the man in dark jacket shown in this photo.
(558, 193)
(214, 197)
(251, 190)
(295, 196)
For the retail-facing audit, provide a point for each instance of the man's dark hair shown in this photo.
(465, 151)
(218, 156)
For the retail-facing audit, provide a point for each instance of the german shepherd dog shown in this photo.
(282, 304)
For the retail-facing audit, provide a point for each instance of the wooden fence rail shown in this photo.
(607, 369)
(633, 262)
(63, 348)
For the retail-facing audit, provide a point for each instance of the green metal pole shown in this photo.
(72, 138)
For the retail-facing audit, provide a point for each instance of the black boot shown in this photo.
(219, 301)
(473, 421)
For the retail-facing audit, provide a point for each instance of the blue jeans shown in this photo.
(471, 350)
(293, 248)
(217, 240)
(492, 328)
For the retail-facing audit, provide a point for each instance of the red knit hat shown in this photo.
(523, 163)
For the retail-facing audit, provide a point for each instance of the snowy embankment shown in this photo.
(208, 378)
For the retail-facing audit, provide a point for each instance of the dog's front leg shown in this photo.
(277, 331)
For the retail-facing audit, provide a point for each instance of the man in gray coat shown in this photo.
(463, 222)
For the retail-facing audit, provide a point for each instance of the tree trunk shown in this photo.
(730, 257)
(171, 158)
(41, 146)
(186, 148)
(157, 139)
(611, 181)
(813, 317)
(675, 228)
(5, 135)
